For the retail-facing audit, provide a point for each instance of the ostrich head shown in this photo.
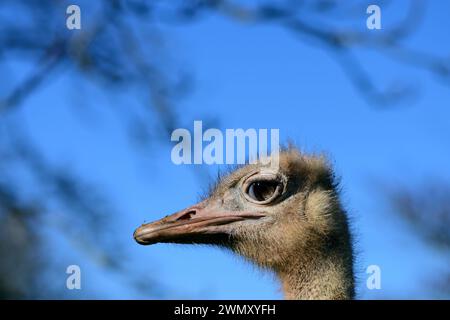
(287, 219)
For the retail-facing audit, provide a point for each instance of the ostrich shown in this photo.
(288, 220)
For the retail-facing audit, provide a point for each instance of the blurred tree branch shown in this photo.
(103, 49)
(101, 54)
(312, 21)
(426, 209)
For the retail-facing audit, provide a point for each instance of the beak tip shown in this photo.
(137, 236)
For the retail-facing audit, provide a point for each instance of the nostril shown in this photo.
(188, 215)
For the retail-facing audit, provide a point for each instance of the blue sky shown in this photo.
(257, 76)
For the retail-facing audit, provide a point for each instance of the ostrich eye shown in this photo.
(263, 191)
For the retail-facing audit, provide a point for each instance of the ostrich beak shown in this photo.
(196, 224)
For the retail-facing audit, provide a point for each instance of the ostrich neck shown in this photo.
(323, 277)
